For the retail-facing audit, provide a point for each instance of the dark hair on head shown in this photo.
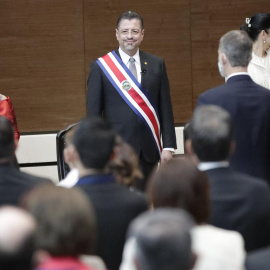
(178, 183)
(256, 24)
(65, 220)
(7, 145)
(211, 133)
(68, 138)
(129, 15)
(94, 140)
(125, 165)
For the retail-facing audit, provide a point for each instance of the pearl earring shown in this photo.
(264, 41)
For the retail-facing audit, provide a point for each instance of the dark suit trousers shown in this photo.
(147, 169)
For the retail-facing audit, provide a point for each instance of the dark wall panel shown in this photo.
(42, 61)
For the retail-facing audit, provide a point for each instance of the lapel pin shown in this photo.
(145, 63)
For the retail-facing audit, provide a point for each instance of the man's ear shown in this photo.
(114, 153)
(188, 147)
(117, 34)
(232, 147)
(143, 33)
(136, 264)
(16, 142)
(194, 259)
(70, 154)
(223, 58)
(40, 256)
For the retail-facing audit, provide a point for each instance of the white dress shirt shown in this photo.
(203, 166)
(125, 58)
(236, 74)
(70, 180)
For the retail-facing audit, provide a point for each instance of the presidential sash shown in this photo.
(132, 93)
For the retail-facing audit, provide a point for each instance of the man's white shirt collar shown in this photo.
(125, 57)
(203, 166)
(236, 74)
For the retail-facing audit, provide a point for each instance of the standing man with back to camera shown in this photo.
(130, 89)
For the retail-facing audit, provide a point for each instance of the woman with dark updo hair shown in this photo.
(258, 28)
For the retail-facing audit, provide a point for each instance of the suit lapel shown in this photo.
(117, 52)
(144, 67)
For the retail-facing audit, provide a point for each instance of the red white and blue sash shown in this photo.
(132, 93)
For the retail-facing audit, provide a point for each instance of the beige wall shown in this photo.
(47, 46)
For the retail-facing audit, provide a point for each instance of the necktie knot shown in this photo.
(131, 60)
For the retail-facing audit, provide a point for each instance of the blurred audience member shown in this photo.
(179, 184)
(238, 201)
(159, 239)
(258, 29)
(73, 175)
(17, 229)
(13, 183)
(258, 259)
(65, 227)
(7, 110)
(125, 166)
(115, 205)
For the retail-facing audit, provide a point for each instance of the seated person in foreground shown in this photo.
(159, 239)
(115, 205)
(239, 202)
(13, 183)
(65, 227)
(7, 110)
(17, 228)
(125, 165)
(179, 184)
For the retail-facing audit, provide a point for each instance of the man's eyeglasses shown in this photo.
(134, 32)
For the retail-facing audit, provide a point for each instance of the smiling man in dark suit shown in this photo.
(247, 102)
(130, 88)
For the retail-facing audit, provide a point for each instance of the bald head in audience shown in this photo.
(17, 229)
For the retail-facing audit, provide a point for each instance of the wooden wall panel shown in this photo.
(42, 62)
(47, 46)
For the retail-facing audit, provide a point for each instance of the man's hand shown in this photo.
(166, 155)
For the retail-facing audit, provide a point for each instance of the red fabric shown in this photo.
(7, 110)
(63, 263)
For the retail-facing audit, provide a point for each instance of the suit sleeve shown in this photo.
(94, 103)
(201, 101)
(166, 112)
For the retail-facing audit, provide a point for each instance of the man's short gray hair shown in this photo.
(163, 240)
(237, 46)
